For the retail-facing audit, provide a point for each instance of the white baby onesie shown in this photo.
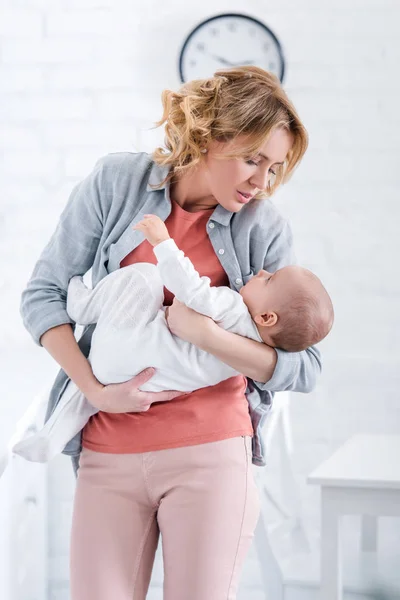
(132, 334)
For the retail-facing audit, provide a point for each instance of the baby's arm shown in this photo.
(181, 278)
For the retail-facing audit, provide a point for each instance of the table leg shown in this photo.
(331, 564)
(368, 533)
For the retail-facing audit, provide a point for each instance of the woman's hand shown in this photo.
(188, 324)
(126, 397)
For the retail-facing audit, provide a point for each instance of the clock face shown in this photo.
(226, 41)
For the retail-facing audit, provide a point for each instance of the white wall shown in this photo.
(82, 78)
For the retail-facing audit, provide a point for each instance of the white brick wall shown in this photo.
(81, 78)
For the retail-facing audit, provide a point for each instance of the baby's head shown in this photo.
(291, 307)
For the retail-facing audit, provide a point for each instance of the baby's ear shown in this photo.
(268, 319)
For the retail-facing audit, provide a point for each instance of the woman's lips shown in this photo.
(243, 198)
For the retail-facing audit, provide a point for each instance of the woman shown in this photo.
(179, 465)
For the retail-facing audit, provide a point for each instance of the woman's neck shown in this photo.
(191, 192)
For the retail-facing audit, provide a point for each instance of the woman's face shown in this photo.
(233, 182)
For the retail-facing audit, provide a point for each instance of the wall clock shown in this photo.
(226, 41)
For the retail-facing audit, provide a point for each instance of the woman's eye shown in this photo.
(256, 164)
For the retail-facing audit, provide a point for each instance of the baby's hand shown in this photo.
(153, 229)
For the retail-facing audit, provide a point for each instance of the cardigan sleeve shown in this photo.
(294, 371)
(70, 251)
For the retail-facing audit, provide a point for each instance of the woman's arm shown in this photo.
(271, 369)
(61, 344)
(251, 358)
(294, 371)
(116, 398)
(71, 251)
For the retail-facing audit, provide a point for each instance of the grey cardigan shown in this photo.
(95, 232)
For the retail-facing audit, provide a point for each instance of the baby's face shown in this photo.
(267, 291)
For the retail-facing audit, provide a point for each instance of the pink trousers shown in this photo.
(203, 501)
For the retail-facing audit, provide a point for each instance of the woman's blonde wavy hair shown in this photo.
(241, 101)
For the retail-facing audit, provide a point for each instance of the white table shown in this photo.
(361, 477)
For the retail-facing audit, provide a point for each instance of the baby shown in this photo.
(289, 309)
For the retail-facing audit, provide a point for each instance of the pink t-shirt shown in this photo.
(206, 415)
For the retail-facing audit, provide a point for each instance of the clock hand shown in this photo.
(222, 60)
(244, 62)
(231, 64)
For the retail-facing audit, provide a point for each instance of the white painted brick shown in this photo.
(341, 107)
(95, 4)
(335, 23)
(88, 22)
(47, 107)
(365, 5)
(78, 164)
(150, 137)
(16, 23)
(15, 195)
(63, 50)
(338, 167)
(111, 137)
(60, 196)
(35, 165)
(42, 4)
(19, 137)
(348, 54)
(346, 137)
(123, 104)
(314, 77)
(322, 202)
(79, 80)
(20, 79)
(101, 76)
